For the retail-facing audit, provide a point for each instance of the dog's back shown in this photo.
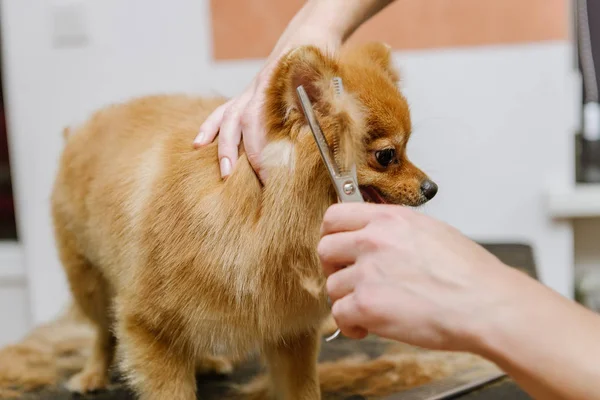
(110, 165)
(113, 171)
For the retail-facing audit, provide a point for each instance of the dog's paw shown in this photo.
(88, 381)
(219, 365)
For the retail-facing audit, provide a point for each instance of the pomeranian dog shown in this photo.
(179, 269)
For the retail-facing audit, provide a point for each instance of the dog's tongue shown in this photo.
(372, 195)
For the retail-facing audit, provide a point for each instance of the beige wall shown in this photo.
(250, 28)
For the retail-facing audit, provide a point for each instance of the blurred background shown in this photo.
(496, 90)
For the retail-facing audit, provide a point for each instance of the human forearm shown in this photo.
(343, 17)
(330, 21)
(547, 343)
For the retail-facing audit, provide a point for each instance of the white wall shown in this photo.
(135, 47)
(479, 116)
(14, 302)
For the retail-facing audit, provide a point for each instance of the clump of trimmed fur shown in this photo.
(47, 355)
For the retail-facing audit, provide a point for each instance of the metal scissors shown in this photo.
(344, 180)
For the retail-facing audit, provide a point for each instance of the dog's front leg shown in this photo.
(293, 367)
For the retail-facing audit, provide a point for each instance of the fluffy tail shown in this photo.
(397, 370)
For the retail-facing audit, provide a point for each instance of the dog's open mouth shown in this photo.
(372, 195)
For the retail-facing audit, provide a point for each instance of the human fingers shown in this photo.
(344, 312)
(254, 134)
(337, 251)
(353, 216)
(230, 135)
(343, 282)
(210, 127)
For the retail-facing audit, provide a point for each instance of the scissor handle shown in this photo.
(347, 188)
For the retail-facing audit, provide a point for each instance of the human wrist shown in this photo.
(525, 313)
(342, 17)
(312, 25)
(311, 33)
(544, 341)
(326, 24)
(504, 312)
(325, 18)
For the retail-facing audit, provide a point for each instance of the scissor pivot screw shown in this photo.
(349, 188)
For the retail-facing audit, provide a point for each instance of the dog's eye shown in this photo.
(385, 157)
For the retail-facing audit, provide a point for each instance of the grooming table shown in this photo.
(217, 387)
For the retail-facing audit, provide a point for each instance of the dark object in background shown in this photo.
(593, 7)
(587, 157)
(588, 45)
(8, 228)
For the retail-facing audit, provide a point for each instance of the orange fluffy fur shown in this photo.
(177, 268)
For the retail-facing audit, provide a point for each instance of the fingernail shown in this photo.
(200, 139)
(225, 166)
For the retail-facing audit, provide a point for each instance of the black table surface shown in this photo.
(216, 387)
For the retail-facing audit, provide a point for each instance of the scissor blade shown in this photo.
(341, 183)
(332, 168)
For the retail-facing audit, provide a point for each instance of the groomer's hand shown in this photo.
(237, 118)
(410, 278)
(402, 275)
(241, 117)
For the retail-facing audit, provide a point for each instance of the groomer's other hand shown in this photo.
(242, 116)
(402, 275)
(237, 118)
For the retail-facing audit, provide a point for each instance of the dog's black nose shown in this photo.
(429, 189)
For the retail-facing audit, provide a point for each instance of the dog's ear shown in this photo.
(304, 66)
(340, 116)
(377, 53)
